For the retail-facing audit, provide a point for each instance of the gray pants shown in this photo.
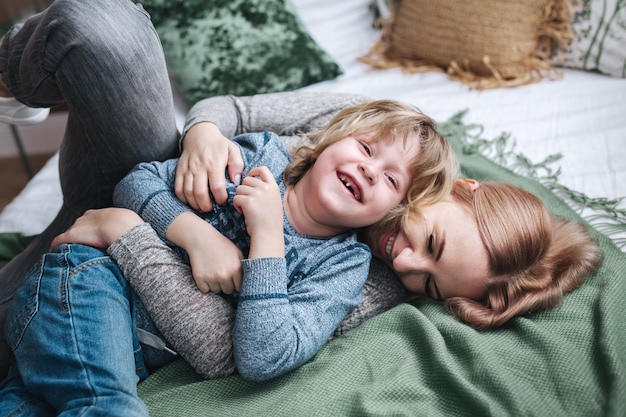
(104, 59)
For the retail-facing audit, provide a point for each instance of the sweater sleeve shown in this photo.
(279, 327)
(286, 113)
(381, 292)
(198, 326)
(148, 190)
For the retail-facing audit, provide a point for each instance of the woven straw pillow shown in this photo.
(484, 43)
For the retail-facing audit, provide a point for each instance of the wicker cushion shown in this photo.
(485, 43)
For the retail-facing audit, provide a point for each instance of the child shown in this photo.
(288, 228)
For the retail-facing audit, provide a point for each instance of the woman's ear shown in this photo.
(471, 183)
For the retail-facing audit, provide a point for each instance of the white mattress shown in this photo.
(582, 115)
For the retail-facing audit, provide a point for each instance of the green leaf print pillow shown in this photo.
(599, 42)
(239, 47)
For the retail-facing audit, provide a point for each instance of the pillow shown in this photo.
(483, 43)
(239, 47)
(599, 42)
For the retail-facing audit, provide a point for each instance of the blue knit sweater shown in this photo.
(288, 307)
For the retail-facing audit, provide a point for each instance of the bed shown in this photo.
(562, 138)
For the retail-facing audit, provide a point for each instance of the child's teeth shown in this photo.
(348, 185)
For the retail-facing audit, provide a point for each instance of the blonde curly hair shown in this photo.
(432, 173)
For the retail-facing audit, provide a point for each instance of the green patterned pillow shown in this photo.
(599, 38)
(238, 47)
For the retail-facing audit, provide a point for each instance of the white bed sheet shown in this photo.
(582, 115)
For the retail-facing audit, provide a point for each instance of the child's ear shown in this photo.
(471, 183)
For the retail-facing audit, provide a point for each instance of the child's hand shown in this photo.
(215, 260)
(206, 154)
(258, 199)
(216, 265)
(99, 228)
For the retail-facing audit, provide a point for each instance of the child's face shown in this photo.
(355, 182)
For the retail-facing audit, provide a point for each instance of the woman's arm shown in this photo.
(207, 152)
(285, 114)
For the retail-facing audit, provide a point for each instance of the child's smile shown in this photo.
(353, 183)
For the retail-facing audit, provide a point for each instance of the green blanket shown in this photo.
(417, 359)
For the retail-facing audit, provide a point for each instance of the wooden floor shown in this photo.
(13, 177)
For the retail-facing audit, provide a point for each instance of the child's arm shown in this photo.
(284, 318)
(214, 259)
(259, 199)
(277, 330)
(148, 191)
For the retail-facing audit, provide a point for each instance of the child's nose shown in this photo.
(368, 172)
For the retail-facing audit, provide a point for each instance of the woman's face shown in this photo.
(439, 255)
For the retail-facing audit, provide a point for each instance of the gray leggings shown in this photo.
(104, 59)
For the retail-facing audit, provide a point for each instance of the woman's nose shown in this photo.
(408, 260)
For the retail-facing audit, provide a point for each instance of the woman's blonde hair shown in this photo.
(535, 257)
(432, 173)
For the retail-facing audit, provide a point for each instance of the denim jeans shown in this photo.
(104, 59)
(72, 327)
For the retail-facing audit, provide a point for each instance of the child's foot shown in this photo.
(16, 113)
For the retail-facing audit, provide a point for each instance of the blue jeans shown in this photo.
(73, 329)
(104, 59)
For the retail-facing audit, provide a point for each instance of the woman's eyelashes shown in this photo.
(430, 286)
(431, 289)
(427, 289)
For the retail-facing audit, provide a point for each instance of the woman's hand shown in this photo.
(259, 199)
(99, 228)
(206, 155)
